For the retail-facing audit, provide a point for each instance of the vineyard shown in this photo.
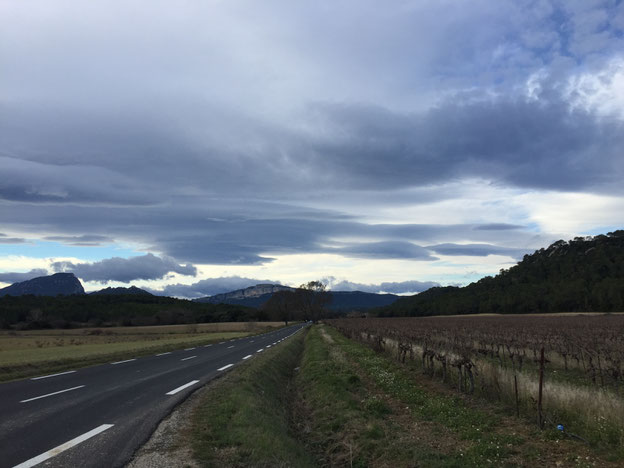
(563, 371)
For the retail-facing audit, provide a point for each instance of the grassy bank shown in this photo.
(325, 400)
(245, 419)
(29, 353)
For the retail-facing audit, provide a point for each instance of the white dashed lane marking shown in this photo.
(53, 375)
(53, 393)
(121, 362)
(61, 448)
(182, 387)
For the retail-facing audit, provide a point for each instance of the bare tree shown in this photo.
(281, 306)
(312, 300)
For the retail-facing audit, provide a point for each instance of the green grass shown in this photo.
(245, 419)
(340, 404)
(322, 400)
(345, 423)
(486, 439)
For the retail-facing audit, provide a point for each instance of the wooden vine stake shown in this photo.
(540, 416)
(517, 401)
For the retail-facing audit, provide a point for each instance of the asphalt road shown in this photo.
(99, 416)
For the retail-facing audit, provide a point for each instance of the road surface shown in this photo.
(99, 416)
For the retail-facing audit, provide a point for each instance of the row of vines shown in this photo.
(565, 370)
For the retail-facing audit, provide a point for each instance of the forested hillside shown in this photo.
(584, 274)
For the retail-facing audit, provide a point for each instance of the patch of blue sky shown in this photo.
(601, 230)
(462, 279)
(450, 263)
(532, 226)
(48, 249)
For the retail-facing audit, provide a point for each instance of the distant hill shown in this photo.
(132, 290)
(358, 300)
(250, 296)
(582, 275)
(256, 296)
(65, 284)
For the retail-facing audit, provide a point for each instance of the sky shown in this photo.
(201, 146)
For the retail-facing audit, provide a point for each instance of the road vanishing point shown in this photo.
(99, 416)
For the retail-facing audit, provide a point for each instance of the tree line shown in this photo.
(308, 302)
(585, 274)
(30, 312)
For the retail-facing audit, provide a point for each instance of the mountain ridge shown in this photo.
(248, 293)
(132, 290)
(256, 296)
(65, 284)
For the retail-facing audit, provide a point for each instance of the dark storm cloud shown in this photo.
(56, 182)
(386, 250)
(523, 142)
(4, 239)
(498, 227)
(85, 240)
(209, 287)
(146, 267)
(476, 250)
(515, 142)
(250, 233)
(171, 130)
(401, 287)
(18, 277)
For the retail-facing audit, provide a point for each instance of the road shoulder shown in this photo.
(169, 444)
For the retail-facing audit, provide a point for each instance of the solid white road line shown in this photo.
(230, 347)
(182, 387)
(121, 362)
(187, 358)
(162, 354)
(247, 357)
(54, 393)
(189, 349)
(61, 448)
(225, 367)
(53, 375)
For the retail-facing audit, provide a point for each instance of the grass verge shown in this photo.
(245, 419)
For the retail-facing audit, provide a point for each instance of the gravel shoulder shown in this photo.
(169, 445)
